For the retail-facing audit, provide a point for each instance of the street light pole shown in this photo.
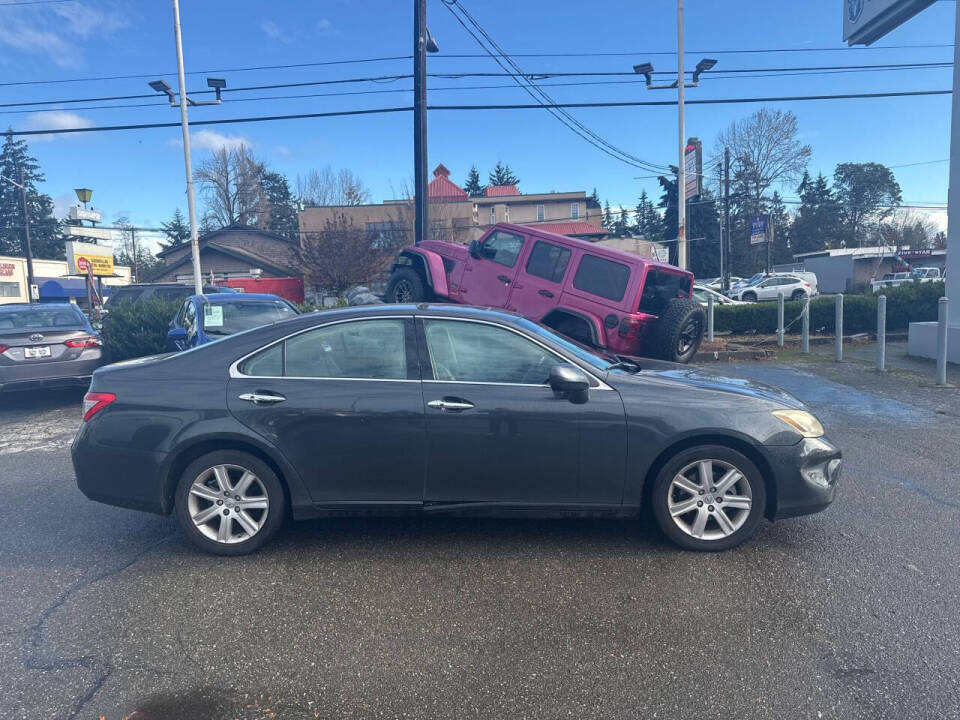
(682, 171)
(26, 230)
(188, 165)
(421, 205)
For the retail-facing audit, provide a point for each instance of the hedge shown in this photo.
(137, 328)
(913, 302)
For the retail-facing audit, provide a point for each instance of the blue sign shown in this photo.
(758, 230)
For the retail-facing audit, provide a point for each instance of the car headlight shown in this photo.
(801, 421)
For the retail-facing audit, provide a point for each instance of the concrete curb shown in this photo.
(728, 355)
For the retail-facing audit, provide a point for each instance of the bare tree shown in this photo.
(230, 186)
(906, 229)
(326, 187)
(341, 256)
(133, 252)
(766, 149)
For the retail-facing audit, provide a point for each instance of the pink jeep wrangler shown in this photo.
(601, 297)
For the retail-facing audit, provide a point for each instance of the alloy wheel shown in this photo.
(403, 292)
(228, 503)
(688, 336)
(710, 499)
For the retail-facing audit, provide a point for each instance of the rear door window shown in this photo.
(661, 287)
(548, 261)
(599, 276)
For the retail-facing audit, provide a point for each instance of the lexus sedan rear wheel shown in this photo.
(229, 502)
(709, 498)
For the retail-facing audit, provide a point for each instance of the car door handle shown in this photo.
(258, 398)
(545, 293)
(504, 279)
(451, 404)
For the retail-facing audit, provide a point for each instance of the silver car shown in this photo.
(46, 345)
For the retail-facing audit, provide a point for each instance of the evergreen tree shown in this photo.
(502, 175)
(45, 238)
(817, 223)
(780, 226)
(281, 205)
(648, 219)
(177, 230)
(607, 221)
(594, 196)
(472, 185)
(621, 225)
(703, 229)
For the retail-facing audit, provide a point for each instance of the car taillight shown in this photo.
(83, 342)
(807, 284)
(94, 402)
(3, 349)
(629, 327)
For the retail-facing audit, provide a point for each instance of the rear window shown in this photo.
(548, 261)
(37, 317)
(661, 287)
(232, 317)
(599, 276)
(124, 294)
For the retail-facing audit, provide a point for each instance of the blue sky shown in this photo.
(140, 173)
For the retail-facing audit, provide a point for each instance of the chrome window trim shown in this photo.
(601, 386)
(235, 373)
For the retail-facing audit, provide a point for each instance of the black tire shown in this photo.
(268, 485)
(406, 285)
(679, 330)
(798, 295)
(749, 297)
(745, 521)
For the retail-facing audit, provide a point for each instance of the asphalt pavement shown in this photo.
(852, 613)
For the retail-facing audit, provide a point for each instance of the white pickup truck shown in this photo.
(889, 280)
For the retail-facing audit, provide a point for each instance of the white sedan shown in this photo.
(793, 288)
(701, 293)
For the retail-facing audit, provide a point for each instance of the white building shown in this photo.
(52, 281)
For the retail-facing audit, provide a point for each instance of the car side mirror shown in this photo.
(474, 249)
(570, 381)
(177, 334)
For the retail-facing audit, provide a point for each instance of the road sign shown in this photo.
(866, 21)
(693, 167)
(78, 213)
(84, 257)
(758, 230)
(87, 232)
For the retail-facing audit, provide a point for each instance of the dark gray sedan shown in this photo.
(46, 345)
(441, 409)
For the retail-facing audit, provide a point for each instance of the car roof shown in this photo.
(220, 298)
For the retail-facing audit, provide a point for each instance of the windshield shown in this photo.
(41, 318)
(221, 319)
(595, 358)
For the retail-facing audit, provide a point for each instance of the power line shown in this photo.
(376, 111)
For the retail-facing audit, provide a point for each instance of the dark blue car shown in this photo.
(205, 318)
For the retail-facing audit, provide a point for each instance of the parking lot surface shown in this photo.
(851, 613)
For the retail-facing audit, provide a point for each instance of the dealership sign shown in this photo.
(866, 21)
(693, 168)
(84, 258)
(758, 230)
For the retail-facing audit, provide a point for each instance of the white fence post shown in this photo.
(882, 333)
(805, 325)
(710, 317)
(838, 330)
(942, 341)
(780, 319)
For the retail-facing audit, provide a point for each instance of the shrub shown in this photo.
(135, 329)
(911, 302)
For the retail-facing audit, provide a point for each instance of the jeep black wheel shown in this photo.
(406, 286)
(679, 330)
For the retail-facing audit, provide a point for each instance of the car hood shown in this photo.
(691, 378)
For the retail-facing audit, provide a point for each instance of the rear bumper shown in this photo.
(48, 374)
(806, 476)
(121, 476)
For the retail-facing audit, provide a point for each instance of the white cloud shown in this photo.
(326, 28)
(211, 140)
(283, 150)
(58, 31)
(55, 120)
(274, 32)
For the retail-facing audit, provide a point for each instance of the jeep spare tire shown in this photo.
(406, 286)
(678, 331)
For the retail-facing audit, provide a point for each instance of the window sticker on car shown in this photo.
(213, 316)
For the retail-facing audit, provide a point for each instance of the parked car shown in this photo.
(175, 292)
(793, 288)
(598, 296)
(46, 345)
(808, 277)
(895, 279)
(717, 282)
(202, 319)
(441, 409)
(701, 293)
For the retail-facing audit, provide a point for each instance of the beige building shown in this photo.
(456, 217)
(51, 279)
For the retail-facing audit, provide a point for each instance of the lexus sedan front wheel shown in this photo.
(229, 502)
(709, 498)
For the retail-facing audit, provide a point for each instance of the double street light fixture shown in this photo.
(162, 86)
(646, 69)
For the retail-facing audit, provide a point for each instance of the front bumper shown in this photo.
(806, 476)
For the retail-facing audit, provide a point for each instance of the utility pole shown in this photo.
(422, 206)
(682, 141)
(28, 251)
(188, 165)
(726, 214)
(720, 185)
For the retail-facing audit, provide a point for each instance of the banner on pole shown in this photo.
(693, 168)
(758, 230)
